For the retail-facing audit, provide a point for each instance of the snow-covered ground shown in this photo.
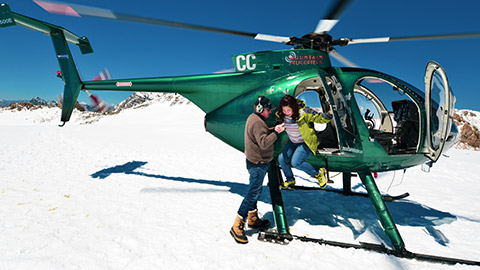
(148, 188)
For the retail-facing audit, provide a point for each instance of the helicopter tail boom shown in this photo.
(208, 91)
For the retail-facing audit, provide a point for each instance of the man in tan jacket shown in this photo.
(259, 140)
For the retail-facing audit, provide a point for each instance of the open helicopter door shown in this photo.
(439, 108)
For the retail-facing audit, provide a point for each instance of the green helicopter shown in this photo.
(380, 122)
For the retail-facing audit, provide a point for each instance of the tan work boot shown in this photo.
(255, 222)
(237, 231)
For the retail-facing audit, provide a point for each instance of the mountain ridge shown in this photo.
(467, 121)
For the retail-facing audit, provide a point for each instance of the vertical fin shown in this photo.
(6, 18)
(73, 83)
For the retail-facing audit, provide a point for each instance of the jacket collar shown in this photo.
(259, 115)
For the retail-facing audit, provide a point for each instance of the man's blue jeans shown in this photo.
(295, 155)
(257, 174)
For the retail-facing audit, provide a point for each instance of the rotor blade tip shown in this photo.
(324, 26)
(57, 8)
(272, 38)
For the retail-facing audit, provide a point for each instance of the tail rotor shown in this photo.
(98, 104)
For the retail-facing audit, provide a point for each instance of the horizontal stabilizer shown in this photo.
(9, 18)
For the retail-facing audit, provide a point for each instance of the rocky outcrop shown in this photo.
(466, 121)
(141, 99)
(19, 106)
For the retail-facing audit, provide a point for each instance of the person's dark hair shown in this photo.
(288, 101)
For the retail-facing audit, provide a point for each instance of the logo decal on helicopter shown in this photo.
(245, 62)
(299, 60)
(352, 150)
(6, 21)
(120, 84)
(290, 57)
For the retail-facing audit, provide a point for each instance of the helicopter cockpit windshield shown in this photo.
(390, 115)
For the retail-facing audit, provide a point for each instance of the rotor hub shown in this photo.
(322, 42)
(313, 41)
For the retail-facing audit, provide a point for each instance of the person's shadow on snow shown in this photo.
(316, 207)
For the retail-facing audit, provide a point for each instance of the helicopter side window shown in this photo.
(436, 111)
(390, 115)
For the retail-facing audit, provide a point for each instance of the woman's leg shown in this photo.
(285, 160)
(299, 160)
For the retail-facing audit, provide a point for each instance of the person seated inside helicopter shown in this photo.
(302, 140)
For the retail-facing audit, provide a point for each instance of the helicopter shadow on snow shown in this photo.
(316, 207)
(357, 213)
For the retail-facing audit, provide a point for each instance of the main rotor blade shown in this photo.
(336, 10)
(342, 59)
(81, 10)
(331, 19)
(389, 39)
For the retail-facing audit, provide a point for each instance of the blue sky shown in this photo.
(131, 50)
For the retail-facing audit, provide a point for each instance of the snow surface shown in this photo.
(148, 188)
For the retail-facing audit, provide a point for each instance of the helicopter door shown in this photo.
(439, 108)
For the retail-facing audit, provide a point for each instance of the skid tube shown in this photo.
(386, 198)
(273, 237)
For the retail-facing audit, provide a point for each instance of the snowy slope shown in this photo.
(145, 190)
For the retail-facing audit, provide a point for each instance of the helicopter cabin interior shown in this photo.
(312, 92)
(390, 115)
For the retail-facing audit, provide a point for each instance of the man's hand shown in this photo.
(280, 128)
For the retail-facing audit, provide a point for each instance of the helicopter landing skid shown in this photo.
(272, 236)
(284, 239)
(386, 198)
